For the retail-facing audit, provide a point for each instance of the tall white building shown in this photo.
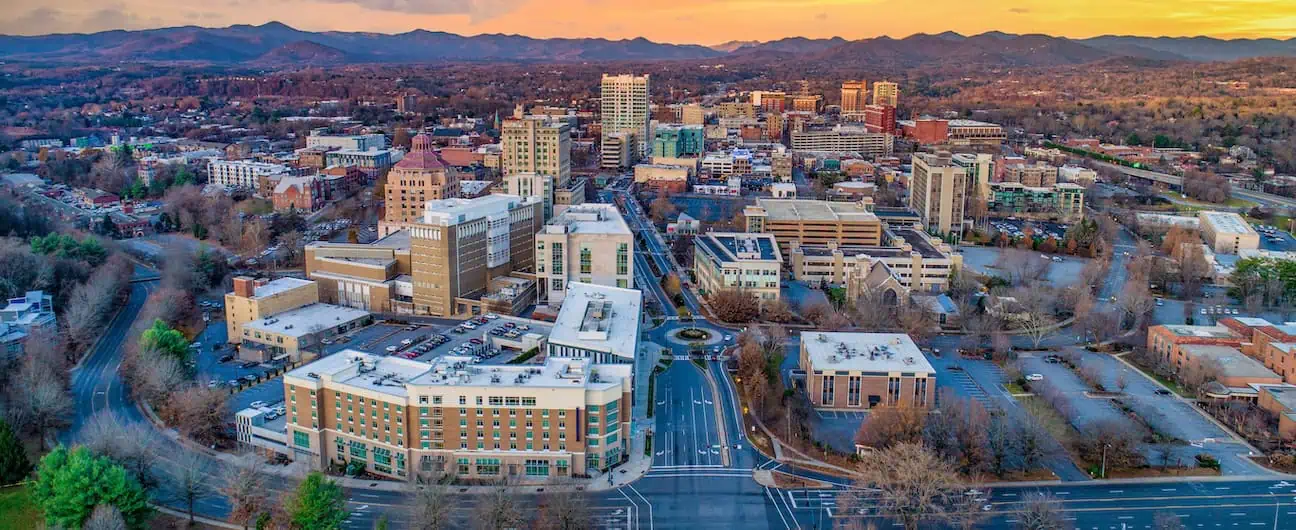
(624, 105)
(589, 243)
(242, 173)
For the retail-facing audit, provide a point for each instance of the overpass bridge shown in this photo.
(1175, 182)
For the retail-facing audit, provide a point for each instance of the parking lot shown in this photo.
(1065, 270)
(1017, 227)
(1085, 410)
(1162, 410)
(1275, 238)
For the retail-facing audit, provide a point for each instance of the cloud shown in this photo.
(477, 10)
(1019, 10)
(37, 21)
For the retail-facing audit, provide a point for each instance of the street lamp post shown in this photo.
(1104, 460)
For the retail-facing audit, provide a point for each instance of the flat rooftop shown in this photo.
(279, 286)
(556, 372)
(599, 318)
(1214, 332)
(1232, 363)
(732, 246)
(449, 212)
(395, 376)
(892, 212)
(307, 319)
(1286, 395)
(864, 352)
(589, 218)
(812, 210)
(1227, 223)
(351, 368)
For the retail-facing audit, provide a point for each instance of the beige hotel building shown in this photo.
(417, 421)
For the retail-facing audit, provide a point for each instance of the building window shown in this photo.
(920, 392)
(893, 390)
(623, 259)
(537, 468)
(301, 439)
(488, 466)
(586, 261)
(853, 391)
(826, 396)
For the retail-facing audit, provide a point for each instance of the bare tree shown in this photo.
(500, 508)
(188, 479)
(130, 444)
(1041, 511)
(910, 483)
(40, 400)
(430, 509)
(887, 426)
(105, 517)
(294, 243)
(733, 305)
(565, 511)
(1002, 442)
(197, 412)
(1031, 439)
(245, 487)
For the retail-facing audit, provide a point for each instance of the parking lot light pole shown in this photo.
(1104, 460)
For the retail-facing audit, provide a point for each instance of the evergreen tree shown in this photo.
(318, 504)
(14, 465)
(163, 338)
(72, 482)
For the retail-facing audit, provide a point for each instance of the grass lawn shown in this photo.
(1173, 386)
(17, 512)
(1190, 203)
(1013, 388)
(652, 388)
(1050, 419)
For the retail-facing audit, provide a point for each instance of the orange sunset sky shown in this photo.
(690, 21)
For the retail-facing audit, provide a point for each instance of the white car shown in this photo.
(257, 404)
(391, 349)
(1035, 377)
(491, 316)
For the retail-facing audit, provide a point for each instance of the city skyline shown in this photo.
(696, 23)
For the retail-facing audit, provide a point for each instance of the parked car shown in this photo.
(226, 358)
(249, 364)
(1161, 392)
(391, 349)
(257, 404)
(1035, 377)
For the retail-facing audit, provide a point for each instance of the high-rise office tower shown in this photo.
(937, 192)
(536, 144)
(886, 93)
(853, 96)
(624, 106)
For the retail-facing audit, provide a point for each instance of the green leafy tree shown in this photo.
(14, 465)
(1133, 139)
(318, 504)
(164, 338)
(183, 177)
(71, 482)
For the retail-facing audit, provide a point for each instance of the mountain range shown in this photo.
(275, 44)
